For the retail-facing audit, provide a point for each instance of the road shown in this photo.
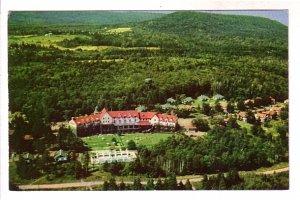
(95, 183)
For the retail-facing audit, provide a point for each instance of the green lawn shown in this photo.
(102, 142)
(245, 125)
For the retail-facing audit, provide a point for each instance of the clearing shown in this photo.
(104, 142)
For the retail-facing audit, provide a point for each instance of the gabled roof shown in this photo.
(261, 115)
(126, 113)
(276, 108)
(88, 118)
(147, 115)
(242, 114)
(167, 118)
(60, 153)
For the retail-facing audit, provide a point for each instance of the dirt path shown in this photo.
(274, 171)
(95, 183)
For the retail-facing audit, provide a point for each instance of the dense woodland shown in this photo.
(188, 53)
(221, 150)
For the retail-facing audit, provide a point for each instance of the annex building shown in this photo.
(120, 121)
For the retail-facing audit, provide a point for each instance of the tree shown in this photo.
(78, 169)
(230, 108)
(131, 145)
(150, 184)
(171, 182)
(205, 182)
(206, 109)
(258, 101)
(86, 160)
(112, 184)
(257, 130)
(222, 182)
(233, 177)
(159, 185)
(19, 123)
(122, 185)
(201, 124)
(137, 185)
(105, 186)
(241, 105)
(250, 117)
(181, 186)
(218, 107)
(284, 114)
(114, 141)
(232, 123)
(188, 185)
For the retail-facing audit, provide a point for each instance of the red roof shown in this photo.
(147, 115)
(126, 113)
(144, 123)
(169, 118)
(88, 118)
(242, 114)
(261, 115)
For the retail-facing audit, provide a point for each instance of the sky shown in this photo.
(278, 15)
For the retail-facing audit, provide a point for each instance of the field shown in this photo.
(102, 142)
(53, 40)
(119, 30)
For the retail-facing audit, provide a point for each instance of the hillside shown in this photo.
(78, 67)
(216, 25)
(36, 18)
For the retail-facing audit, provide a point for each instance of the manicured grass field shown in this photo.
(102, 142)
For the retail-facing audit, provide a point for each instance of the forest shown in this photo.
(182, 52)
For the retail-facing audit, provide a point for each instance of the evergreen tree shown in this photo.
(122, 186)
(171, 182)
(181, 186)
(159, 185)
(206, 109)
(137, 185)
(131, 145)
(188, 185)
(105, 186)
(112, 184)
(201, 124)
(150, 184)
(230, 108)
(218, 107)
(241, 105)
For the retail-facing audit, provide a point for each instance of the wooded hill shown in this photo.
(44, 18)
(80, 66)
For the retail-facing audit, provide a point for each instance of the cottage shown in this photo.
(276, 109)
(242, 116)
(28, 157)
(60, 156)
(262, 117)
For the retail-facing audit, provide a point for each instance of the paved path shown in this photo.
(95, 183)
